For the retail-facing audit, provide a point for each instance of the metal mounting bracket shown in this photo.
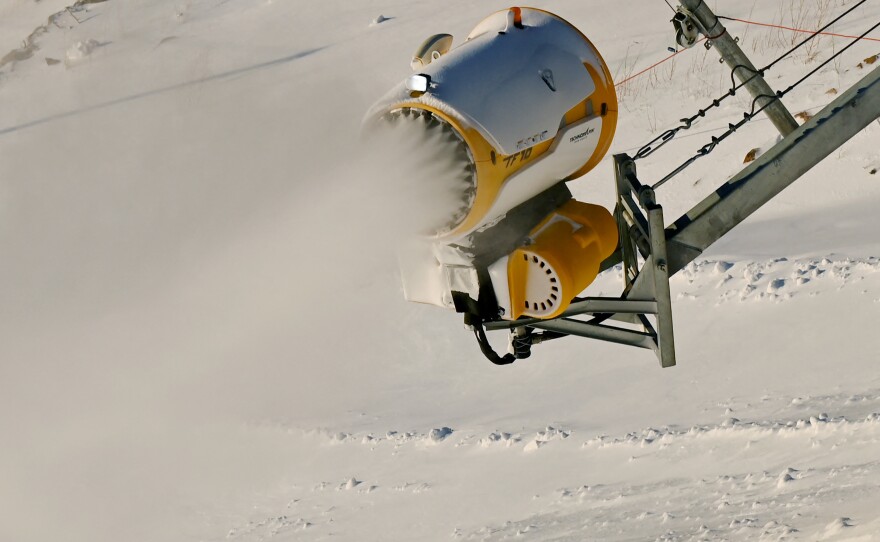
(645, 307)
(650, 253)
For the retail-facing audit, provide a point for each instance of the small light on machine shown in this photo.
(418, 83)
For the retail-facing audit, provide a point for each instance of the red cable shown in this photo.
(652, 66)
(798, 29)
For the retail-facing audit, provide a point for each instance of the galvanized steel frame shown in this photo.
(650, 252)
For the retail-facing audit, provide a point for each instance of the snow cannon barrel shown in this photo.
(527, 93)
(526, 103)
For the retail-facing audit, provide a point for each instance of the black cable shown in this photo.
(668, 135)
(486, 348)
(811, 36)
(709, 147)
(825, 63)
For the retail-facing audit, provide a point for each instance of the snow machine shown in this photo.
(527, 103)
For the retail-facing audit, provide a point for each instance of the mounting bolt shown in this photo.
(661, 265)
(646, 197)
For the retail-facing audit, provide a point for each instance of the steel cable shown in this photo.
(668, 135)
(709, 147)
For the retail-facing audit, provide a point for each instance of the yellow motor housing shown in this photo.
(561, 259)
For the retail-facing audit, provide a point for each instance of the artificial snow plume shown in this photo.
(411, 179)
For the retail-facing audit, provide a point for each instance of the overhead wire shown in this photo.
(801, 30)
(668, 135)
(654, 65)
(687, 123)
(709, 147)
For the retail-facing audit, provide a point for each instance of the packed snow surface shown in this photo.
(203, 337)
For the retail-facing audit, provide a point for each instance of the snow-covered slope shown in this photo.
(202, 334)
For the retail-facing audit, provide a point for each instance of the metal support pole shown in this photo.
(767, 176)
(660, 271)
(740, 64)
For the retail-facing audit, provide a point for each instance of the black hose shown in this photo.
(486, 348)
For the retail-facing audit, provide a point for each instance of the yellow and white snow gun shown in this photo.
(525, 104)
